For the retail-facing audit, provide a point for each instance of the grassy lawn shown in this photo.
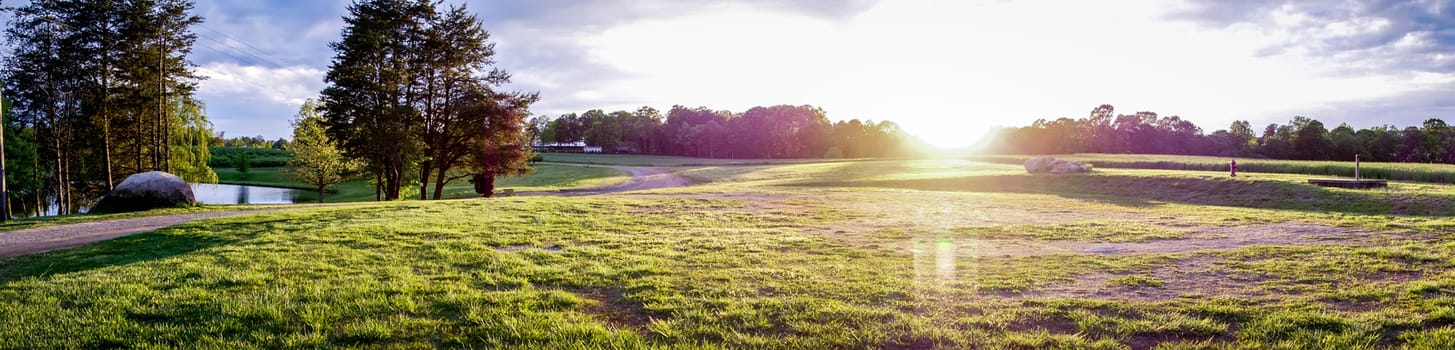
(863, 254)
(546, 177)
(1421, 172)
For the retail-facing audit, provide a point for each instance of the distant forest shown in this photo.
(781, 131)
(1300, 139)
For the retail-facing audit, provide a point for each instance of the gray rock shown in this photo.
(1064, 167)
(149, 190)
(1040, 165)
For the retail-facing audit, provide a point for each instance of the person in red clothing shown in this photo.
(1233, 168)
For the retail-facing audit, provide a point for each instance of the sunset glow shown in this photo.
(944, 70)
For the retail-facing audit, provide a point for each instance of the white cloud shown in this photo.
(941, 68)
(286, 86)
(945, 69)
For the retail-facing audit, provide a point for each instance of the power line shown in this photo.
(235, 48)
(265, 52)
(238, 78)
(239, 59)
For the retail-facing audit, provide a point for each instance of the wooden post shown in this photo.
(1356, 167)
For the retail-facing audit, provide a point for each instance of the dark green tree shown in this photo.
(367, 100)
(99, 83)
(406, 93)
(1312, 140)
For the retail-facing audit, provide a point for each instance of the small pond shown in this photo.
(240, 194)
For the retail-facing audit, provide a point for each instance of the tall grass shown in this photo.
(1417, 172)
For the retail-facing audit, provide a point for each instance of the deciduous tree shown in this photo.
(317, 160)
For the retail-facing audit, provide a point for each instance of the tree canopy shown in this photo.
(781, 131)
(413, 92)
(1302, 138)
(317, 160)
(104, 89)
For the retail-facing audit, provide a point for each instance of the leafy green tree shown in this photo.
(22, 173)
(1243, 135)
(1346, 143)
(406, 90)
(191, 132)
(367, 101)
(538, 130)
(605, 129)
(502, 150)
(1413, 147)
(244, 162)
(100, 83)
(1312, 140)
(317, 160)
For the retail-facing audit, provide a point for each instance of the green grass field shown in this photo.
(1420, 172)
(860, 254)
(546, 177)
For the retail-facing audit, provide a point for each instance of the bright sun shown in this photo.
(951, 136)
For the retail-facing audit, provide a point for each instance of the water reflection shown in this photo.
(204, 193)
(238, 194)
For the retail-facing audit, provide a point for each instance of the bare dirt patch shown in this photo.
(1198, 275)
(520, 247)
(642, 178)
(944, 211)
(1195, 276)
(1220, 238)
(611, 306)
(1200, 240)
(756, 203)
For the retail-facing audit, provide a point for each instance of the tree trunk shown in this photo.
(424, 168)
(106, 123)
(320, 194)
(60, 179)
(393, 181)
(439, 183)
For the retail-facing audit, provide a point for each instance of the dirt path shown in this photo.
(643, 178)
(44, 239)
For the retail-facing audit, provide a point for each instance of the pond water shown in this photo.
(207, 194)
(240, 194)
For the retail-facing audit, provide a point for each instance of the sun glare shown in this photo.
(951, 136)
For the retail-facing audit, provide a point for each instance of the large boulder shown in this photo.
(149, 190)
(1040, 165)
(1065, 166)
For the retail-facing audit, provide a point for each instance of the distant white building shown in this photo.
(570, 147)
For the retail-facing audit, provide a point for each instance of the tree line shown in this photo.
(781, 131)
(97, 91)
(1302, 138)
(221, 140)
(413, 94)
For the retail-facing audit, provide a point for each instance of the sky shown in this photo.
(946, 71)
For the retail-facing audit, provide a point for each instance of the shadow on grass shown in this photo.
(1144, 191)
(161, 244)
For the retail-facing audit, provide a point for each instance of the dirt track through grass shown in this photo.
(43, 239)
